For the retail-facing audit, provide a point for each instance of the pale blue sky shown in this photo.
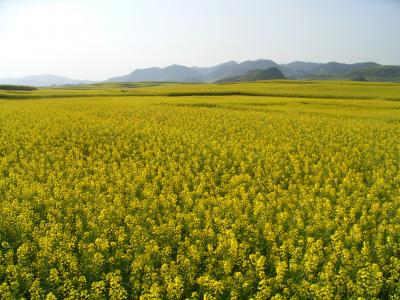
(97, 39)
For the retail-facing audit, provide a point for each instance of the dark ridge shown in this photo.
(255, 75)
(179, 94)
(11, 87)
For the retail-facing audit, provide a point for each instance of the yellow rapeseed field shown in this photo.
(278, 190)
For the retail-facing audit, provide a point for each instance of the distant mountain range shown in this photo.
(295, 70)
(195, 74)
(368, 71)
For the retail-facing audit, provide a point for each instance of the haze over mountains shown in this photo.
(177, 73)
(44, 80)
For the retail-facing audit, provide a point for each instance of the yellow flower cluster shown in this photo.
(199, 198)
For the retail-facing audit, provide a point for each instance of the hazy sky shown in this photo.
(97, 39)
